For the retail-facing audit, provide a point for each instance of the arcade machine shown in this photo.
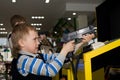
(107, 56)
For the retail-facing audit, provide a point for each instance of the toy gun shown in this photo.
(77, 35)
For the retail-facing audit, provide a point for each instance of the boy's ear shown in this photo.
(21, 42)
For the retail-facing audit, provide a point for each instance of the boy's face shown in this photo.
(30, 42)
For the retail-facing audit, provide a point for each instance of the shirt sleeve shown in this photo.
(38, 67)
(50, 57)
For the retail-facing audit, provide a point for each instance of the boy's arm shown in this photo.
(48, 57)
(37, 66)
(86, 39)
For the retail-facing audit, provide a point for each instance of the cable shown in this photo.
(73, 69)
(79, 56)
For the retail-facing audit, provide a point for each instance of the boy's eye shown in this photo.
(37, 39)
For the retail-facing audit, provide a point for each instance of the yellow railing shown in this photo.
(91, 54)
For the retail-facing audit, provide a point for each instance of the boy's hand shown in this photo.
(86, 38)
(68, 47)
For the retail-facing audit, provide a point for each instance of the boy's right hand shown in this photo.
(68, 47)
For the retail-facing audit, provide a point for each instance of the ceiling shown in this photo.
(52, 11)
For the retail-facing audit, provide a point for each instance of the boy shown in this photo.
(26, 65)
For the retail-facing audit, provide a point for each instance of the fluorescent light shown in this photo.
(47, 1)
(14, 1)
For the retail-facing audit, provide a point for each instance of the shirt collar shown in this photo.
(27, 53)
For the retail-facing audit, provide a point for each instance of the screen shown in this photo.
(108, 20)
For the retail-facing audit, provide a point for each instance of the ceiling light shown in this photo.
(74, 13)
(42, 17)
(36, 24)
(55, 32)
(37, 17)
(37, 28)
(2, 29)
(1, 24)
(69, 18)
(47, 1)
(32, 17)
(3, 32)
(13, 1)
